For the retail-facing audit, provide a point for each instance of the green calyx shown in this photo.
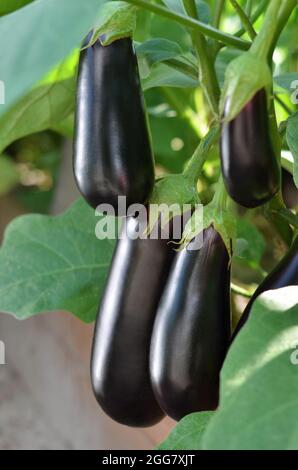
(244, 77)
(217, 214)
(116, 20)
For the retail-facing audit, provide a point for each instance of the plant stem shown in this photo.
(242, 31)
(263, 42)
(244, 19)
(255, 16)
(194, 166)
(241, 291)
(284, 14)
(207, 74)
(218, 12)
(248, 7)
(220, 198)
(184, 20)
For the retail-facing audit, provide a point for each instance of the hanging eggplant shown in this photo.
(112, 149)
(192, 329)
(120, 355)
(249, 165)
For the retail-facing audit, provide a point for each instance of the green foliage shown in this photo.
(45, 265)
(48, 103)
(158, 50)
(47, 32)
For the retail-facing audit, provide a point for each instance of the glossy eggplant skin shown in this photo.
(192, 329)
(120, 356)
(249, 166)
(112, 148)
(283, 275)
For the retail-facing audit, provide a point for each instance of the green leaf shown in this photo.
(187, 435)
(158, 50)
(250, 243)
(38, 37)
(9, 175)
(115, 20)
(242, 83)
(292, 139)
(259, 380)
(163, 75)
(43, 107)
(54, 263)
(7, 6)
(286, 80)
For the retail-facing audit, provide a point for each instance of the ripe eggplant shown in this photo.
(192, 329)
(249, 165)
(283, 275)
(112, 148)
(120, 356)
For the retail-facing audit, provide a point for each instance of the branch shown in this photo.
(244, 19)
(184, 20)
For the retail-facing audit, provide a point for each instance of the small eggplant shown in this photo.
(192, 329)
(112, 148)
(249, 165)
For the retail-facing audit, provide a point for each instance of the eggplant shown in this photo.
(250, 168)
(283, 275)
(112, 147)
(120, 354)
(192, 329)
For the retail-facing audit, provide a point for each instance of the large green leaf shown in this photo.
(43, 107)
(259, 381)
(53, 263)
(38, 37)
(187, 435)
(292, 138)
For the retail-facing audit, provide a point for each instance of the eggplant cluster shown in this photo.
(163, 326)
(163, 314)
